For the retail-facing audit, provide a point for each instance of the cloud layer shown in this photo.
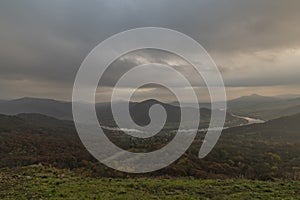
(256, 44)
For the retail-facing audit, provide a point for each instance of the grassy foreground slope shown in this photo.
(38, 182)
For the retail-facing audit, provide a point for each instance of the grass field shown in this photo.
(36, 182)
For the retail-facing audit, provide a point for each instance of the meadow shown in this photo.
(40, 182)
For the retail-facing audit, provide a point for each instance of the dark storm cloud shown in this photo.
(46, 41)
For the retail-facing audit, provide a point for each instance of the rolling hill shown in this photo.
(50, 107)
(283, 129)
(138, 110)
(261, 107)
(250, 101)
(256, 151)
(265, 108)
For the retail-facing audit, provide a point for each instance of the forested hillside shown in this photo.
(262, 151)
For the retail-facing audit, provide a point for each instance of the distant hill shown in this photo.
(139, 113)
(250, 101)
(288, 96)
(138, 110)
(261, 107)
(286, 123)
(284, 129)
(257, 106)
(50, 107)
(265, 108)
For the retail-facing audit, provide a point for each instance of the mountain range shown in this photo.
(256, 106)
(138, 110)
(49, 107)
(263, 107)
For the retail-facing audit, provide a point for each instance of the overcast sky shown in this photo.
(255, 44)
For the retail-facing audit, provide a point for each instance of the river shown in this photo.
(249, 119)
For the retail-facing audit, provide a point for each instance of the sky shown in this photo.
(255, 44)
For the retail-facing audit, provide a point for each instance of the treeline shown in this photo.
(231, 158)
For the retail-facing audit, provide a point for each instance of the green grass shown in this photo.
(38, 182)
